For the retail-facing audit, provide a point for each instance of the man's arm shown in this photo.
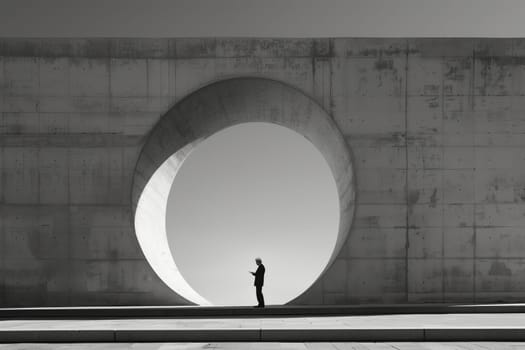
(260, 271)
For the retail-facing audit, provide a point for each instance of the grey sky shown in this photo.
(252, 190)
(310, 18)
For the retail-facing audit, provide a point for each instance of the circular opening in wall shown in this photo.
(196, 125)
(254, 189)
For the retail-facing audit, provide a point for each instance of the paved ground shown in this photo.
(426, 321)
(421, 327)
(273, 346)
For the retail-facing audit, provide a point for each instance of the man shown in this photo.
(259, 281)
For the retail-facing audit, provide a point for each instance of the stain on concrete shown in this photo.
(522, 195)
(395, 139)
(389, 51)
(370, 221)
(433, 198)
(434, 101)
(383, 64)
(496, 75)
(499, 268)
(456, 271)
(413, 197)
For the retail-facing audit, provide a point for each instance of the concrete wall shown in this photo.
(435, 125)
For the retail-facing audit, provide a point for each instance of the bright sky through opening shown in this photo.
(255, 189)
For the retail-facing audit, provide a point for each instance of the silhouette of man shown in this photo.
(259, 281)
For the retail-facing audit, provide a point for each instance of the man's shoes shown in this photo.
(259, 306)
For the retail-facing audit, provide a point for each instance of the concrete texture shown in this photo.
(435, 127)
(448, 327)
(278, 346)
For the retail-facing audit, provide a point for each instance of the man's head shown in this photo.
(258, 261)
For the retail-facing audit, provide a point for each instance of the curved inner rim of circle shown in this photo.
(269, 191)
(151, 230)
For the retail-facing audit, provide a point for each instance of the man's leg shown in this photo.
(260, 298)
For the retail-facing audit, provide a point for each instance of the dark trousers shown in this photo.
(260, 297)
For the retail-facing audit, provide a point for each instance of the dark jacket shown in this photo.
(259, 276)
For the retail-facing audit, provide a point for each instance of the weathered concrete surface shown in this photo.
(435, 126)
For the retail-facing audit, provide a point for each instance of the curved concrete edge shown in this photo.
(223, 104)
(263, 335)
